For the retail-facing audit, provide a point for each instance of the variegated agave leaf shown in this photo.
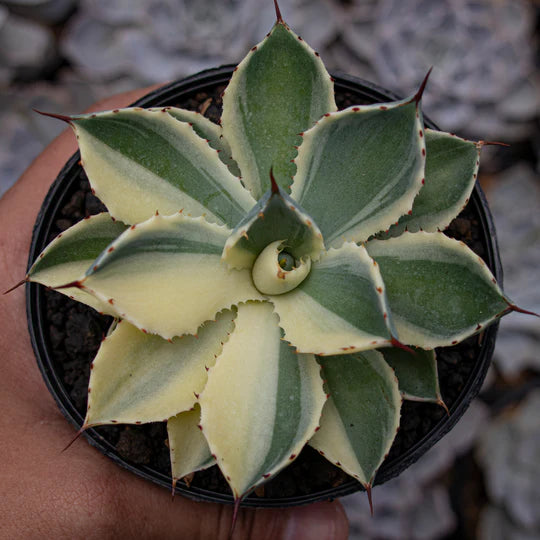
(141, 161)
(361, 418)
(439, 291)
(232, 293)
(280, 89)
(366, 195)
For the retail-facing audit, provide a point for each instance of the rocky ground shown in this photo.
(481, 481)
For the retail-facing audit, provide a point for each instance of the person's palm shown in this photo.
(80, 493)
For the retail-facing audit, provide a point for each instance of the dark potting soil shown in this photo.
(75, 332)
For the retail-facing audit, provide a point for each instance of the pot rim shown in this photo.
(55, 198)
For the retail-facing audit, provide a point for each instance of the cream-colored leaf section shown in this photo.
(262, 401)
(133, 187)
(66, 273)
(312, 328)
(270, 278)
(332, 441)
(70, 254)
(125, 185)
(138, 378)
(188, 448)
(166, 276)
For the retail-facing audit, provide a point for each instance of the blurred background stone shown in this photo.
(509, 452)
(481, 481)
(483, 82)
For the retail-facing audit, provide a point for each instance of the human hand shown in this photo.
(80, 493)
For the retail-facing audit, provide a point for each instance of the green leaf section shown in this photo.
(416, 372)
(165, 275)
(275, 217)
(140, 161)
(70, 254)
(359, 170)
(188, 448)
(340, 307)
(273, 398)
(360, 420)
(138, 377)
(279, 90)
(451, 171)
(439, 291)
(206, 129)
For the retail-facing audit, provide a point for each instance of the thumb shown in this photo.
(210, 521)
(320, 521)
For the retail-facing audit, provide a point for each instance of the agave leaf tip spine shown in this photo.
(513, 307)
(278, 12)
(80, 431)
(275, 187)
(481, 144)
(237, 502)
(444, 406)
(418, 96)
(62, 117)
(399, 345)
(22, 282)
(370, 497)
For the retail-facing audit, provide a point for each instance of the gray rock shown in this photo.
(483, 80)
(509, 453)
(161, 40)
(514, 199)
(25, 46)
(46, 11)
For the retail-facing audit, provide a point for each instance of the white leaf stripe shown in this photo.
(361, 418)
(262, 401)
(341, 160)
(140, 161)
(340, 307)
(192, 284)
(188, 448)
(138, 378)
(439, 291)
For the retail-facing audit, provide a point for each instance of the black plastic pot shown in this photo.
(347, 87)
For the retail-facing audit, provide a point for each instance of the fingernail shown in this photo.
(321, 521)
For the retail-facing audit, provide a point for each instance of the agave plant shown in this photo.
(257, 314)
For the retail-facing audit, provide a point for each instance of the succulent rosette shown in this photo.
(258, 313)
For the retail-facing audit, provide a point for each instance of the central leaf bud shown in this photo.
(277, 271)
